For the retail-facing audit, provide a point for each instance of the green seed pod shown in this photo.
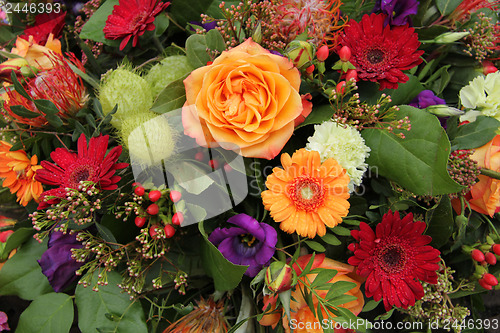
(168, 70)
(126, 89)
(148, 137)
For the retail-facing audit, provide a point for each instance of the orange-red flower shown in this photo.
(59, 84)
(37, 55)
(484, 196)
(299, 309)
(207, 316)
(307, 195)
(18, 172)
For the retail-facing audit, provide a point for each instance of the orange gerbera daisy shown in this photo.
(306, 194)
(18, 172)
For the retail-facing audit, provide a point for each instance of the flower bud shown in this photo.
(484, 284)
(490, 258)
(279, 277)
(322, 53)
(477, 255)
(488, 67)
(496, 249)
(450, 37)
(490, 279)
(351, 74)
(345, 53)
(310, 69)
(340, 87)
(14, 64)
(257, 34)
(300, 52)
(444, 111)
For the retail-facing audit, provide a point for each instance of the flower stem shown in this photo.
(157, 43)
(490, 173)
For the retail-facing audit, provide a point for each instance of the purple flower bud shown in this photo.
(250, 243)
(426, 98)
(57, 264)
(398, 11)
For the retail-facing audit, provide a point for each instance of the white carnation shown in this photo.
(344, 144)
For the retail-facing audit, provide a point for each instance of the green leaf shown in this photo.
(341, 231)
(285, 298)
(54, 121)
(331, 239)
(418, 162)
(161, 23)
(315, 246)
(93, 29)
(190, 176)
(440, 222)
(15, 240)
(46, 106)
(106, 234)
(318, 115)
(18, 87)
(184, 11)
(370, 305)
(215, 41)
(196, 51)
(94, 308)
(21, 111)
(475, 134)
(447, 6)
(50, 313)
(226, 275)
(22, 276)
(341, 299)
(324, 277)
(172, 97)
(339, 288)
(406, 91)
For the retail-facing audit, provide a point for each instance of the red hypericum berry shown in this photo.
(154, 195)
(484, 284)
(178, 218)
(488, 67)
(227, 167)
(340, 87)
(490, 258)
(214, 164)
(496, 249)
(209, 63)
(199, 156)
(345, 53)
(139, 190)
(153, 209)
(490, 279)
(322, 53)
(175, 196)
(140, 221)
(169, 231)
(477, 255)
(310, 69)
(136, 184)
(153, 230)
(351, 74)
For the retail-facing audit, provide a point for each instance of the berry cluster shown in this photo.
(463, 169)
(484, 256)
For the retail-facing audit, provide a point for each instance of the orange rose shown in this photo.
(247, 98)
(301, 315)
(485, 194)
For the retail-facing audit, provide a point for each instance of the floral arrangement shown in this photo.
(255, 166)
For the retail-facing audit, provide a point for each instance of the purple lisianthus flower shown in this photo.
(4, 326)
(250, 243)
(207, 26)
(398, 11)
(57, 264)
(425, 99)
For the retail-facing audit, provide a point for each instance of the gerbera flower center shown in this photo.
(307, 193)
(375, 56)
(392, 258)
(80, 173)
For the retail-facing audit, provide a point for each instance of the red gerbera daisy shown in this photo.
(90, 164)
(131, 18)
(394, 258)
(380, 53)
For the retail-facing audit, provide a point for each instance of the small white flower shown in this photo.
(482, 95)
(344, 144)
